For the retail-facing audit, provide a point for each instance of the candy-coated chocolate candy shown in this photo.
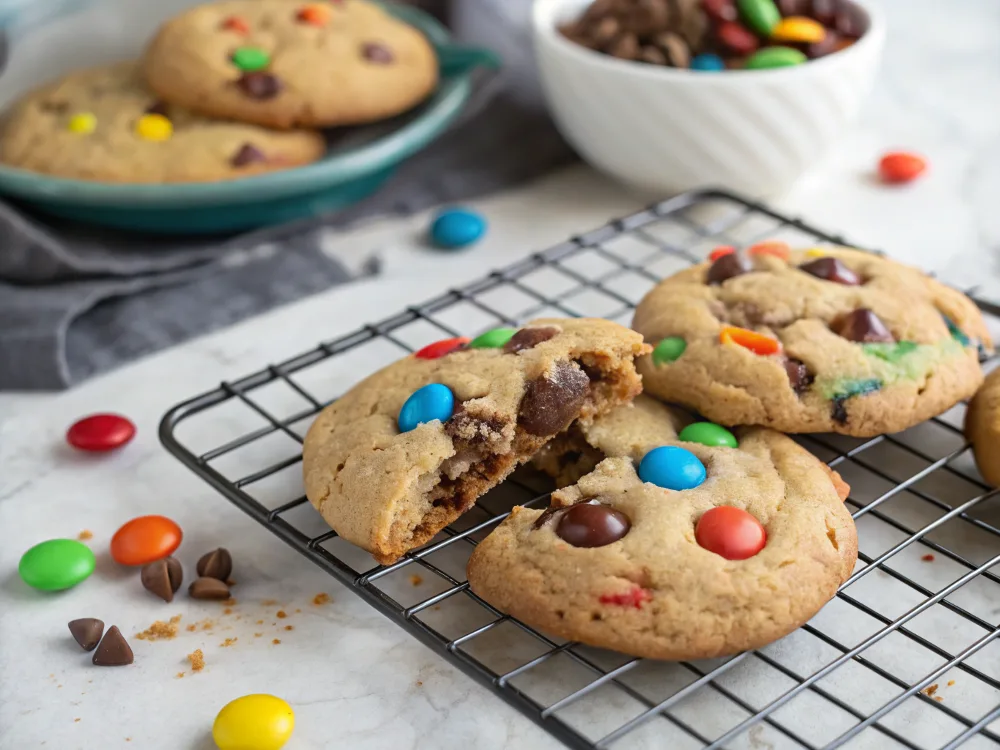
(529, 338)
(758, 343)
(737, 38)
(250, 59)
(707, 62)
(457, 228)
(794, 7)
(145, 539)
(260, 85)
(862, 325)
(708, 433)
(592, 525)
(56, 564)
(798, 375)
(236, 24)
(83, 123)
(730, 532)
(775, 57)
(798, 30)
(440, 348)
(154, 128)
(494, 339)
(434, 401)
(100, 432)
(317, 14)
(672, 468)
(901, 166)
(726, 267)
(850, 20)
(668, 350)
(246, 155)
(832, 269)
(775, 248)
(554, 399)
(825, 11)
(760, 15)
(254, 722)
(830, 43)
(720, 251)
(720, 10)
(815, 252)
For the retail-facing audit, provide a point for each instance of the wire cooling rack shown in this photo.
(906, 655)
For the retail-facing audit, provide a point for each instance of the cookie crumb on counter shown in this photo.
(416, 580)
(160, 630)
(321, 599)
(179, 675)
(75, 720)
(928, 558)
(269, 602)
(85, 535)
(197, 659)
(230, 602)
(276, 641)
(281, 614)
(228, 642)
(289, 627)
(420, 683)
(950, 683)
(258, 635)
(930, 690)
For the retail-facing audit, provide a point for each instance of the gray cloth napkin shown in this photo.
(76, 301)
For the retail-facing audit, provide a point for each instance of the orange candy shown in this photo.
(773, 247)
(899, 167)
(237, 24)
(314, 13)
(730, 532)
(145, 539)
(755, 342)
(720, 251)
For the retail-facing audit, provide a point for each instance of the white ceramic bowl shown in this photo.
(664, 130)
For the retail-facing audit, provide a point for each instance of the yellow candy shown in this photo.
(798, 29)
(815, 252)
(82, 122)
(254, 722)
(154, 128)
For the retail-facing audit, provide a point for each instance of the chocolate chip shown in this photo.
(157, 108)
(162, 577)
(554, 400)
(87, 632)
(377, 52)
(114, 651)
(259, 85)
(862, 325)
(838, 410)
(726, 267)
(529, 338)
(798, 376)
(247, 154)
(831, 269)
(592, 525)
(216, 564)
(675, 48)
(208, 588)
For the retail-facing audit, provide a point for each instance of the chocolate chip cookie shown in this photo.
(822, 340)
(410, 448)
(104, 124)
(747, 551)
(283, 64)
(982, 428)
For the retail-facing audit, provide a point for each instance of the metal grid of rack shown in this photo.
(905, 656)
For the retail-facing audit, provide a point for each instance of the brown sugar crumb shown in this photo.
(207, 625)
(950, 683)
(939, 699)
(160, 631)
(228, 642)
(179, 675)
(197, 659)
(298, 611)
(930, 690)
(289, 627)
(320, 599)
(269, 602)
(281, 614)
(227, 611)
(257, 635)
(416, 580)
(260, 622)
(276, 641)
(84, 536)
(75, 720)
(436, 607)
(192, 627)
(420, 683)
(928, 558)
(230, 602)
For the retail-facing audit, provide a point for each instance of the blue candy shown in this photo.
(457, 228)
(672, 468)
(434, 401)
(707, 62)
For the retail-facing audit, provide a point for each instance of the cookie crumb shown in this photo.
(84, 536)
(192, 627)
(179, 675)
(75, 720)
(257, 635)
(298, 611)
(320, 599)
(419, 683)
(416, 580)
(227, 611)
(930, 690)
(950, 683)
(939, 699)
(260, 622)
(228, 642)
(269, 602)
(197, 659)
(276, 641)
(160, 630)
(436, 607)
(230, 602)
(289, 627)
(928, 558)
(281, 614)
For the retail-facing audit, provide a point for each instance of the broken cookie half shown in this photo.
(413, 446)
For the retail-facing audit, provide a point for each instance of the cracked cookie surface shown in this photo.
(655, 591)
(389, 491)
(827, 340)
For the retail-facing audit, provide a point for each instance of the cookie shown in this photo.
(732, 563)
(104, 124)
(283, 64)
(822, 340)
(982, 428)
(410, 448)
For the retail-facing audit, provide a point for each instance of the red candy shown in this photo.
(730, 532)
(737, 38)
(237, 24)
(635, 597)
(100, 432)
(441, 348)
(772, 247)
(720, 11)
(145, 539)
(720, 251)
(758, 343)
(901, 166)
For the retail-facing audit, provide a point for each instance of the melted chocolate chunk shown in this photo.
(592, 525)
(798, 376)
(157, 108)
(529, 338)
(839, 410)
(259, 85)
(55, 107)
(726, 268)
(862, 325)
(377, 53)
(831, 269)
(551, 402)
(247, 154)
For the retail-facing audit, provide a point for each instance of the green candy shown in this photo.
(668, 350)
(708, 433)
(250, 59)
(492, 339)
(56, 564)
(760, 15)
(955, 331)
(890, 352)
(774, 57)
(857, 388)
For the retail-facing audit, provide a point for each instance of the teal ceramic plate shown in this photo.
(358, 161)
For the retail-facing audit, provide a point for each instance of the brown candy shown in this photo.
(259, 85)
(849, 21)
(208, 588)
(675, 48)
(87, 632)
(592, 525)
(377, 52)
(831, 269)
(646, 17)
(113, 651)
(693, 26)
(829, 44)
(162, 578)
(720, 11)
(529, 338)
(652, 55)
(551, 402)
(246, 155)
(798, 376)
(625, 47)
(863, 326)
(216, 564)
(726, 267)
(825, 11)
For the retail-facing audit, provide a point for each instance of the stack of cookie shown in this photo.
(225, 90)
(670, 537)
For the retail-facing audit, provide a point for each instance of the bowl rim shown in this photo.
(382, 153)
(544, 14)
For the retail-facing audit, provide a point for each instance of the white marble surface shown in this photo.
(354, 679)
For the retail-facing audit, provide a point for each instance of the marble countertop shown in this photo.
(355, 679)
